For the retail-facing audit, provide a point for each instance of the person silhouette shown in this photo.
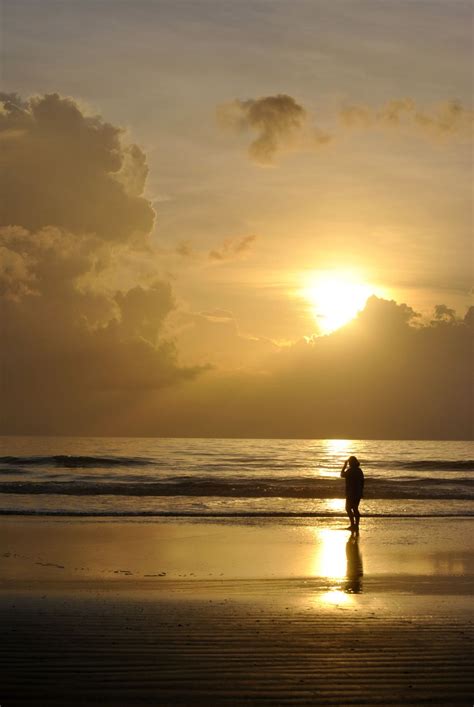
(354, 477)
(354, 567)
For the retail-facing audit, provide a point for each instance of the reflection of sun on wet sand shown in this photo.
(234, 613)
(340, 560)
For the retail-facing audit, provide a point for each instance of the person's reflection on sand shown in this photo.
(354, 568)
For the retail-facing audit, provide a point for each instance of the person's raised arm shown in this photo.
(343, 471)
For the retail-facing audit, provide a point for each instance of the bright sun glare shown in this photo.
(336, 298)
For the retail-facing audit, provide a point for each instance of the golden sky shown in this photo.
(199, 194)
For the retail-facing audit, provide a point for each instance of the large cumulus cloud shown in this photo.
(64, 168)
(76, 351)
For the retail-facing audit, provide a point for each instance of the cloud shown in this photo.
(229, 250)
(233, 248)
(214, 336)
(185, 250)
(76, 350)
(469, 318)
(447, 118)
(86, 343)
(279, 122)
(70, 170)
(71, 352)
(282, 124)
(217, 314)
(443, 315)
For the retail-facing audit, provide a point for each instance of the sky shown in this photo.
(237, 218)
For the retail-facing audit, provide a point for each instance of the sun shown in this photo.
(336, 298)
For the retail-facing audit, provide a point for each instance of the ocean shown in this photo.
(230, 477)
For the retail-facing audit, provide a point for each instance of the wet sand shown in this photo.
(172, 612)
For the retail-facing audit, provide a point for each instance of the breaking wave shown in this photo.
(66, 461)
(401, 488)
(82, 461)
(431, 464)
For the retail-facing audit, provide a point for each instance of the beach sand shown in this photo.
(210, 612)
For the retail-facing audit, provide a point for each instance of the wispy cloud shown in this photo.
(444, 119)
(233, 248)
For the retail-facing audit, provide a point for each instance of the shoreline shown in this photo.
(149, 515)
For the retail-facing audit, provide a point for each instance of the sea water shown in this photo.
(230, 477)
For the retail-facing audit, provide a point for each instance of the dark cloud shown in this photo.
(444, 314)
(469, 318)
(279, 122)
(76, 352)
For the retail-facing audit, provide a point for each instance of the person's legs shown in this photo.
(355, 511)
(350, 513)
